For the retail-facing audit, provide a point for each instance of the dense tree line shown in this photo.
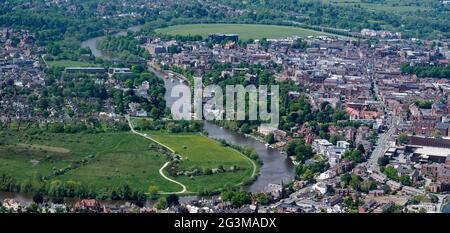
(307, 172)
(90, 126)
(59, 189)
(237, 199)
(301, 150)
(427, 71)
(354, 155)
(123, 47)
(54, 23)
(357, 183)
(168, 125)
(155, 105)
(248, 151)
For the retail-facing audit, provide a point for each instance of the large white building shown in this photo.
(327, 149)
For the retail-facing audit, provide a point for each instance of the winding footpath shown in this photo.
(162, 75)
(161, 170)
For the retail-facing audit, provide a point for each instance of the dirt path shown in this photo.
(161, 170)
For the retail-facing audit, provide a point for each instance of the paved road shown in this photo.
(380, 148)
(383, 140)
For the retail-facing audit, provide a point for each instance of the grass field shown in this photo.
(69, 63)
(200, 151)
(245, 31)
(391, 6)
(117, 158)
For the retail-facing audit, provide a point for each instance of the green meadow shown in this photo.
(69, 63)
(109, 160)
(245, 31)
(202, 152)
(101, 161)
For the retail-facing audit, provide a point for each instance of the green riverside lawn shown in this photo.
(114, 159)
(245, 31)
(201, 152)
(118, 158)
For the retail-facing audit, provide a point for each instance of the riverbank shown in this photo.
(276, 166)
(445, 208)
(92, 43)
(196, 152)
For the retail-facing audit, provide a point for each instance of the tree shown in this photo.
(355, 182)
(161, 204)
(32, 208)
(270, 138)
(402, 138)
(3, 209)
(434, 198)
(405, 180)
(361, 149)
(237, 199)
(391, 172)
(336, 137)
(172, 199)
(354, 156)
(173, 49)
(207, 171)
(417, 199)
(367, 185)
(263, 198)
(129, 83)
(353, 204)
(299, 44)
(38, 198)
(300, 149)
(383, 161)
(436, 134)
(153, 191)
(345, 179)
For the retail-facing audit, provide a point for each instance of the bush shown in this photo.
(161, 204)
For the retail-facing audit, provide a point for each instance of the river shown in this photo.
(91, 43)
(277, 167)
(446, 208)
